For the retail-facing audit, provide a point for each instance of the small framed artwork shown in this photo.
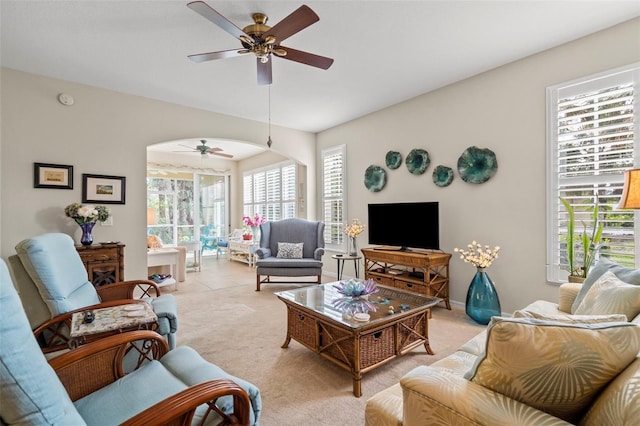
(103, 189)
(55, 176)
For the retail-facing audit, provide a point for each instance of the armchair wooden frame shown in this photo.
(53, 335)
(100, 363)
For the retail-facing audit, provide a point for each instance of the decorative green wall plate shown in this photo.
(477, 165)
(442, 176)
(393, 159)
(418, 161)
(375, 178)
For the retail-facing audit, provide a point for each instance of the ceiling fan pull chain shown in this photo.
(269, 140)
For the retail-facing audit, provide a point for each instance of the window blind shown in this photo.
(271, 192)
(592, 142)
(333, 196)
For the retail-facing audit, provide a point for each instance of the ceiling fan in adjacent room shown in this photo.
(262, 40)
(205, 150)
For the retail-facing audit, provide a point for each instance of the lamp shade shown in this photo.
(631, 192)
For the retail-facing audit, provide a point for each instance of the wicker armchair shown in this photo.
(88, 385)
(53, 284)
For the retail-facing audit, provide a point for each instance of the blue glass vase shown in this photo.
(86, 239)
(482, 298)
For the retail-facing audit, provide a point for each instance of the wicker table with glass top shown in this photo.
(357, 346)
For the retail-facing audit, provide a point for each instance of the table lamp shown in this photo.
(631, 193)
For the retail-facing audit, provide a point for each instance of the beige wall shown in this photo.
(504, 110)
(105, 132)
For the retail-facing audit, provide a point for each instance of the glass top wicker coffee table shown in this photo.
(357, 346)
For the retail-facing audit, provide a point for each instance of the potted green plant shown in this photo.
(590, 243)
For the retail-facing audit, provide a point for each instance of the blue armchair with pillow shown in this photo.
(53, 284)
(290, 248)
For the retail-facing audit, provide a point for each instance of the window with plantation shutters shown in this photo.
(592, 125)
(333, 196)
(271, 191)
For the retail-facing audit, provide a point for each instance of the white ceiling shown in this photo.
(385, 51)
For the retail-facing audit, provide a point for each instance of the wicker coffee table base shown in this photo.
(358, 349)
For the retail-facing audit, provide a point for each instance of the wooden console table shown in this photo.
(104, 262)
(419, 271)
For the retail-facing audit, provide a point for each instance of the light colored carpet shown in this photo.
(241, 330)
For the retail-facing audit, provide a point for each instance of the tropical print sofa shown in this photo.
(572, 362)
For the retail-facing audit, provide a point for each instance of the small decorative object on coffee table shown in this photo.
(482, 299)
(355, 293)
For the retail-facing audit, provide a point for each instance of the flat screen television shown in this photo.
(404, 226)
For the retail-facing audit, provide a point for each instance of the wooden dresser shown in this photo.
(104, 262)
(420, 271)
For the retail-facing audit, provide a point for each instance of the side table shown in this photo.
(243, 251)
(164, 256)
(120, 318)
(196, 248)
(340, 258)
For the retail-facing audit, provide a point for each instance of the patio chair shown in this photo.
(87, 385)
(53, 284)
(276, 260)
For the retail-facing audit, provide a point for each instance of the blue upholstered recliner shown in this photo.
(53, 283)
(86, 386)
(272, 263)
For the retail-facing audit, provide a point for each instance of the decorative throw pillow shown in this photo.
(571, 319)
(290, 250)
(628, 275)
(555, 367)
(610, 295)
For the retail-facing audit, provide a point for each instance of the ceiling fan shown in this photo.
(204, 150)
(262, 40)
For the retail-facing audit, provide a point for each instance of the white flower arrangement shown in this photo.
(354, 228)
(87, 213)
(479, 255)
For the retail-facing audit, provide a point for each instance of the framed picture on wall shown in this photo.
(103, 189)
(55, 176)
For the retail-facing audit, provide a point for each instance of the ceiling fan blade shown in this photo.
(202, 57)
(220, 154)
(190, 147)
(306, 58)
(214, 149)
(264, 72)
(298, 20)
(212, 15)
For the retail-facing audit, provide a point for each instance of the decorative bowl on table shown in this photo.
(354, 300)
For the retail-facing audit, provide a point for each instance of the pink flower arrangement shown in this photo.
(256, 221)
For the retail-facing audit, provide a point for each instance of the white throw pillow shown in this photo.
(290, 250)
(610, 295)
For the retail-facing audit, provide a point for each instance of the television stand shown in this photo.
(420, 271)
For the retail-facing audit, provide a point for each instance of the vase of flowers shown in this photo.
(252, 226)
(352, 230)
(482, 299)
(86, 217)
